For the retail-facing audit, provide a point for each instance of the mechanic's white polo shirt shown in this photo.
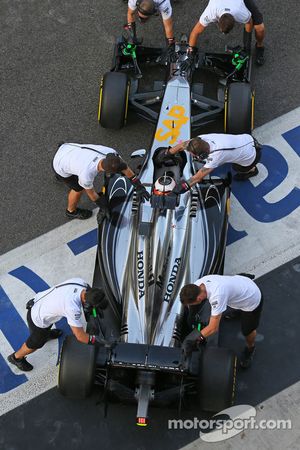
(57, 302)
(229, 148)
(216, 8)
(236, 291)
(163, 6)
(81, 160)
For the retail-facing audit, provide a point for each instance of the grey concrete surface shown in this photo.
(53, 53)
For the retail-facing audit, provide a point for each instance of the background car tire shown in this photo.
(217, 376)
(76, 369)
(239, 109)
(113, 100)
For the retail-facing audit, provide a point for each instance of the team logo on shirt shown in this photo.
(77, 315)
(214, 304)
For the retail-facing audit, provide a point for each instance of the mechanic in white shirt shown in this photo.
(216, 149)
(222, 291)
(77, 166)
(147, 8)
(48, 307)
(225, 13)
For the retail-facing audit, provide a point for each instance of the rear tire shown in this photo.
(217, 376)
(113, 100)
(76, 369)
(239, 109)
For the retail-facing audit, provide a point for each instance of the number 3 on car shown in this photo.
(173, 125)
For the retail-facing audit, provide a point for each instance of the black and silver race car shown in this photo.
(146, 253)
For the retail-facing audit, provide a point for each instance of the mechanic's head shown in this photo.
(226, 23)
(191, 294)
(145, 9)
(198, 148)
(96, 298)
(113, 163)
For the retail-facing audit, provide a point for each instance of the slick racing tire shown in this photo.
(217, 377)
(76, 369)
(113, 100)
(239, 109)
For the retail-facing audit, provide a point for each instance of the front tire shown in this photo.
(77, 368)
(239, 109)
(113, 100)
(217, 378)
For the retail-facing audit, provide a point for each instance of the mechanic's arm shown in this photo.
(196, 31)
(129, 173)
(212, 327)
(92, 194)
(168, 25)
(80, 334)
(197, 178)
(130, 15)
(178, 147)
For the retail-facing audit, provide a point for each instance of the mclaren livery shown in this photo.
(146, 253)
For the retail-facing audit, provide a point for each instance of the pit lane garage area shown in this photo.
(83, 423)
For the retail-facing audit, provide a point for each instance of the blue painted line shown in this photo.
(84, 242)
(30, 278)
(293, 139)
(15, 331)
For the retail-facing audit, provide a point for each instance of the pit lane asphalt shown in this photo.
(53, 53)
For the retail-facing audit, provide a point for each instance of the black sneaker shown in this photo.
(246, 357)
(259, 55)
(54, 334)
(244, 176)
(81, 214)
(21, 364)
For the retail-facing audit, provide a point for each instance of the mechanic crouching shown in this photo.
(146, 9)
(214, 150)
(237, 292)
(77, 165)
(226, 13)
(47, 307)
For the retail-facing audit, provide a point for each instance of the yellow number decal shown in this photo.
(177, 112)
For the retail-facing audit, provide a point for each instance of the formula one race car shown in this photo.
(233, 99)
(146, 253)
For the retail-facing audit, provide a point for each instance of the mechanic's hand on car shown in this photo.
(104, 212)
(130, 27)
(162, 155)
(181, 187)
(194, 345)
(190, 61)
(96, 340)
(169, 54)
(141, 192)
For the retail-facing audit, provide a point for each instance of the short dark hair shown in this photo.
(146, 7)
(226, 23)
(96, 297)
(198, 147)
(189, 294)
(113, 163)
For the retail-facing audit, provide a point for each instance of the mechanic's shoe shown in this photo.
(81, 214)
(230, 314)
(246, 357)
(54, 334)
(21, 364)
(259, 55)
(244, 176)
